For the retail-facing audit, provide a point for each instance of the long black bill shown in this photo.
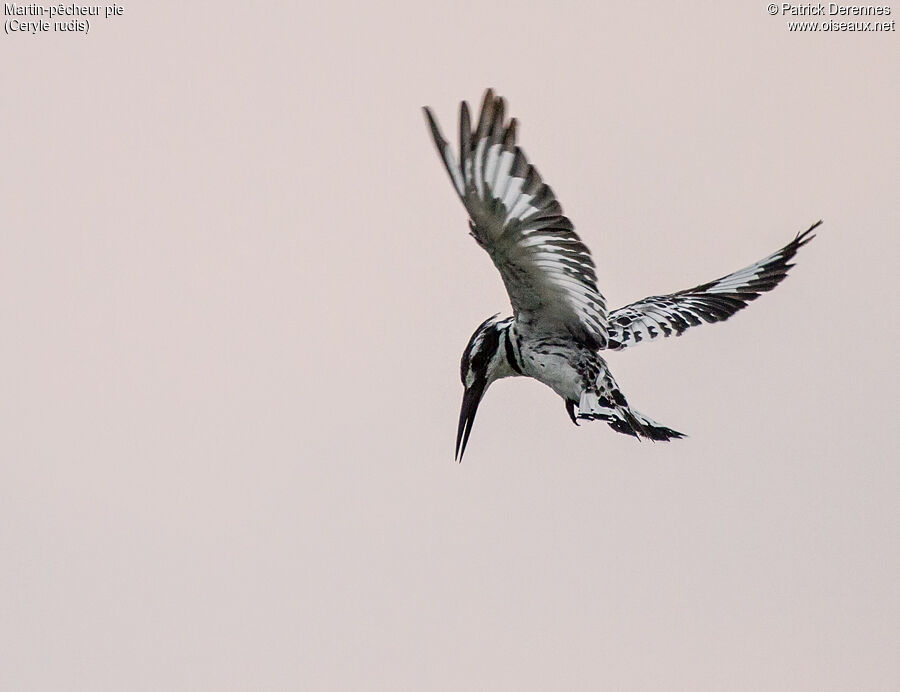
(471, 399)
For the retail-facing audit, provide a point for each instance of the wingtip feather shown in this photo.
(432, 123)
(807, 235)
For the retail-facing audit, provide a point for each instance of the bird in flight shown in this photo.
(560, 322)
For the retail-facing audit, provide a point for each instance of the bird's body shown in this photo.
(560, 322)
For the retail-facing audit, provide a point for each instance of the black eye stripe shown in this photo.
(488, 348)
(468, 356)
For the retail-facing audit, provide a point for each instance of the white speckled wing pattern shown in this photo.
(661, 316)
(548, 272)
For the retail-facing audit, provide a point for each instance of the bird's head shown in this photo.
(483, 361)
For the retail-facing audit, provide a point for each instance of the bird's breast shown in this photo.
(555, 365)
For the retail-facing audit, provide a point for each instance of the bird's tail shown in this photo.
(607, 403)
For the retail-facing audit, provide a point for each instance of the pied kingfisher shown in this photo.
(560, 321)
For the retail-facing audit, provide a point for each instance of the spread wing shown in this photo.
(660, 316)
(548, 272)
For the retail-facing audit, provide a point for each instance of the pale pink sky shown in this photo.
(235, 285)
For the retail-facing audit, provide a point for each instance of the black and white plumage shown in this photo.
(714, 301)
(560, 321)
